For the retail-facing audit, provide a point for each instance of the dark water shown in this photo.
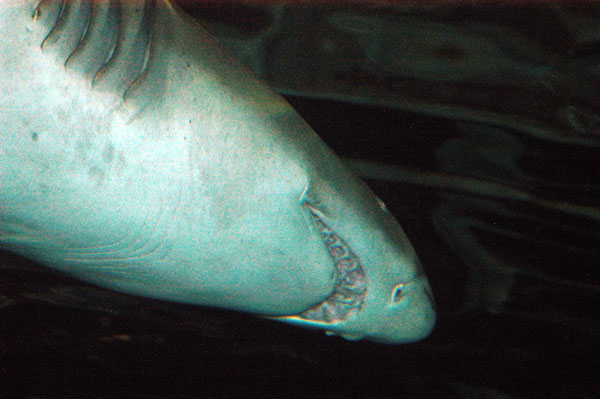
(495, 179)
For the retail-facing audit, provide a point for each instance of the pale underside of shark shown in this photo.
(138, 155)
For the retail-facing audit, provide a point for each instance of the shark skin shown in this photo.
(138, 155)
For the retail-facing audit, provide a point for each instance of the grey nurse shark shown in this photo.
(138, 155)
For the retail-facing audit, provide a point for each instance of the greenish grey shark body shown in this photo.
(138, 155)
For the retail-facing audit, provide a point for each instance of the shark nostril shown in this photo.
(398, 293)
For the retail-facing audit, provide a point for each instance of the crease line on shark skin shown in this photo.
(139, 252)
(149, 253)
(84, 250)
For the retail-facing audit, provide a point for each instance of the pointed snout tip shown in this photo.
(423, 315)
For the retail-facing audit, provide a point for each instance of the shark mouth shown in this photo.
(351, 283)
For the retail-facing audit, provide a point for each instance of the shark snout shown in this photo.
(412, 307)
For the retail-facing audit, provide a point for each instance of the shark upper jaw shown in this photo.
(370, 302)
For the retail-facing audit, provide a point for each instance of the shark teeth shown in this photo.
(351, 282)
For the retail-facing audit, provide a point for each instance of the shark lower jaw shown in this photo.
(348, 296)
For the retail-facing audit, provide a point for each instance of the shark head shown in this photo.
(381, 291)
(367, 279)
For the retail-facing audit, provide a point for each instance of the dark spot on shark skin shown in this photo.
(97, 175)
(109, 154)
(34, 136)
(82, 147)
(121, 164)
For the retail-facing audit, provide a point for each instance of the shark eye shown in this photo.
(397, 293)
